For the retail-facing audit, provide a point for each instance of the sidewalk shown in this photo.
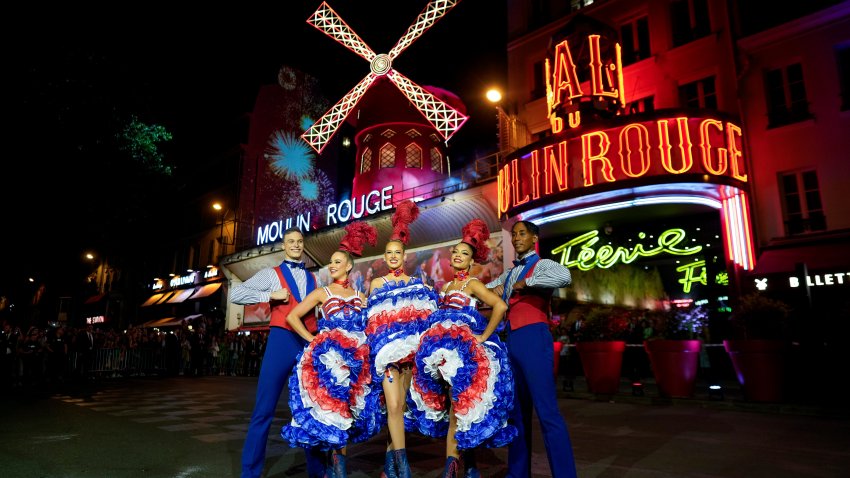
(729, 397)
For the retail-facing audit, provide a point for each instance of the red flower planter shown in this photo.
(674, 364)
(759, 366)
(602, 362)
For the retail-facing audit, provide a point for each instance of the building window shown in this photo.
(413, 156)
(412, 133)
(436, 160)
(842, 56)
(786, 96)
(366, 161)
(387, 156)
(367, 138)
(634, 38)
(643, 105)
(689, 20)
(699, 94)
(538, 80)
(802, 208)
(388, 133)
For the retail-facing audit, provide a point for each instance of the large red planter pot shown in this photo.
(759, 366)
(602, 362)
(674, 364)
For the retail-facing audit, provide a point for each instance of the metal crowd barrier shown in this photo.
(110, 362)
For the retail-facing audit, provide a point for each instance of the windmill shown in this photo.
(445, 119)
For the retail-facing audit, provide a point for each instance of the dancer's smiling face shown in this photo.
(394, 255)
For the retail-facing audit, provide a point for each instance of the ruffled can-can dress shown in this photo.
(478, 377)
(330, 389)
(397, 314)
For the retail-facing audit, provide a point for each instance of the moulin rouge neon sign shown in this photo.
(664, 146)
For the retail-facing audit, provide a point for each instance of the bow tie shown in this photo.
(294, 265)
(519, 262)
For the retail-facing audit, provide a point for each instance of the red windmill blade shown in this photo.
(445, 119)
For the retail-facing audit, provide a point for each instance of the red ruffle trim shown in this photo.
(408, 314)
(310, 379)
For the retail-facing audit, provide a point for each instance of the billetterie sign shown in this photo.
(339, 213)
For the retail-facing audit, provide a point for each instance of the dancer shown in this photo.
(462, 382)
(329, 390)
(527, 288)
(398, 309)
(283, 287)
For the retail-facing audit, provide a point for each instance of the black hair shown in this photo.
(530, 226)
(291, 230)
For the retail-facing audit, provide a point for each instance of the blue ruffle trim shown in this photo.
(313, 434)
(493, 430)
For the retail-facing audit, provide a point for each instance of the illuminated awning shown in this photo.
(181, 295)
(165, 297)
(205, 290)
(153, 299)
(163, 322)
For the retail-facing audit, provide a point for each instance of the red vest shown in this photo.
(529, 305)
(281, 309)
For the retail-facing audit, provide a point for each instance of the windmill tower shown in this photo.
(401, 126)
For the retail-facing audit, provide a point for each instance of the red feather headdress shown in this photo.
(475, 233)
(405, 213)
(357, 235)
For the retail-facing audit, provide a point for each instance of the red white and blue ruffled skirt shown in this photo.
(477, 376)
(330, 389)
(397, 314)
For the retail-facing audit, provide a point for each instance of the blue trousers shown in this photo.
(282, 348)
(532, 358)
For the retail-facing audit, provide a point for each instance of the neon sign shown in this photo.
(660, 147)
(586, 257)
(693, 272)
(345, 211)
(563, 88)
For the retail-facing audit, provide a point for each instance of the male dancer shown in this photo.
(527, 289)
(283, 286)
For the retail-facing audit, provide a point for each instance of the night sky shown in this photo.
(77, 75)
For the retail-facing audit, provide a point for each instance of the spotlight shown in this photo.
(637, 389)
(715, 392)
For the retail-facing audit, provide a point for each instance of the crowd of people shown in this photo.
(62, 354)
(405, 356)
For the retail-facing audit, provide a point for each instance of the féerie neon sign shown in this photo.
(581, 253)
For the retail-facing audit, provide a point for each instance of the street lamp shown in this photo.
(223, 243)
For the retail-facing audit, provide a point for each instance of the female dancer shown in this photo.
(330, 387)
(398, 309)
(462, 381)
